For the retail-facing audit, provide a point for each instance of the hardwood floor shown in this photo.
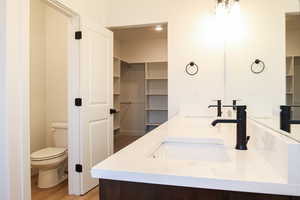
(60, 192)
(121, 141)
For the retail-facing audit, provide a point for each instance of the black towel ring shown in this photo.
(259, 63)
(192, 69)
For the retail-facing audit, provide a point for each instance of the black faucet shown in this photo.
(285, 118)
(219, 106)
(241, 131)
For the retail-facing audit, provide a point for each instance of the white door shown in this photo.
(96, 124)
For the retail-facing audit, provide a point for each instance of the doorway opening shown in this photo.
(53, 66)
(293, 61)
(293, 66)
(140, 81)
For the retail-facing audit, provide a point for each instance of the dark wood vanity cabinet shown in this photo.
(120, 190)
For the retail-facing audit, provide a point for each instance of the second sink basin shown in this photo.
(176, 150)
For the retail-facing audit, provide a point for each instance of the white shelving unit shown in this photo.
(293, 83)
(117, 92)
(155, 106)
(156, 94)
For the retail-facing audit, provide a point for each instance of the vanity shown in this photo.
(186, 158)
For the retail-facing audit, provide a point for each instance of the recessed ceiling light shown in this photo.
(158, 28)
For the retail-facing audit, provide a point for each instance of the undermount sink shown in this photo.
(176, 150)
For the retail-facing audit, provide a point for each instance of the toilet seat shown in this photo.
(48, 153)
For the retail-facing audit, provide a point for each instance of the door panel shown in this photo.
(96, 130)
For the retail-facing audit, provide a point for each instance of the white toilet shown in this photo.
(51, 161)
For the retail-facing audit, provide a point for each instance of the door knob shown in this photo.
(112, 111)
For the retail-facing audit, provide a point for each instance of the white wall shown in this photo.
(191, 38)
(150, 50)
(56, 82)
(262, 37)
(37, 75)
(48, 66)
(293, 41)
(95, 10)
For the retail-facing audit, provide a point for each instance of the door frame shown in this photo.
(73, 92)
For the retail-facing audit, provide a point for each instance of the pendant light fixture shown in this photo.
(227, 7)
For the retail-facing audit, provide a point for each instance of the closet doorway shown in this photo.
(140, 81)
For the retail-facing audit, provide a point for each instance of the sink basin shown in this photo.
(171, 150)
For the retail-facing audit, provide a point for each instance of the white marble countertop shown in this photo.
(255, 170)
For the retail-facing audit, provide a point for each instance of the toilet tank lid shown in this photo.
(59, 125)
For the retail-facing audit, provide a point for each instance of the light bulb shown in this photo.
(158, 28)
(235, 9)
(220, 9)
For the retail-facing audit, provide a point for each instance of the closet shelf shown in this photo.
(116, 93)
(156, 78)
(156, 109)
(116, 76)
(156, 94)
(153, 124)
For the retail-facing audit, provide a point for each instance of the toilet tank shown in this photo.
(60, 134)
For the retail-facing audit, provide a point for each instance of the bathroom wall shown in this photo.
(48, 72)
(262, 36)
(95, 10)
(293, 39)
(153, 50)
(37, 76)
(293, 42)
(141, 44)
(192, 37)
(56, 69)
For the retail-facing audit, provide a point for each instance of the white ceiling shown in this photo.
(140, 33)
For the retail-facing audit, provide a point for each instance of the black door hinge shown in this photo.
(78, 102)
(78, 168)
(78, 35)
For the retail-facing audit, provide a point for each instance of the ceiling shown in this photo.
(140, 33)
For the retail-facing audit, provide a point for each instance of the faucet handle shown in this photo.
(219, 103)
(237, 106)
(234, 103)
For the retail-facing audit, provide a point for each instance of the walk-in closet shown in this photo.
(140, 81)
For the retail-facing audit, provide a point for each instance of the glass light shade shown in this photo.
(221, 9)
(235, 9)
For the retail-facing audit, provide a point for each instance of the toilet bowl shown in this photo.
(51, 165)
(51, 162)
